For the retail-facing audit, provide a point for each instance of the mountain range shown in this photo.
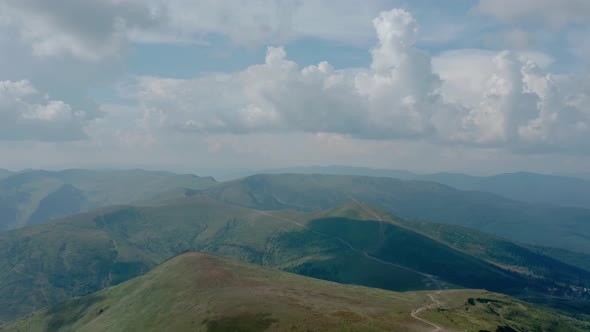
(571, 191)
(35, 196)
(353, 244)
(78, 232)
(537, 224)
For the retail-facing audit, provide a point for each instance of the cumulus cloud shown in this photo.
(25, 114)
(523, 108)
(470, 96)
(392, 99)
(510, 101)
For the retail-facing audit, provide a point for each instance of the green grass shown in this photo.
(522, 258)
(202, 292)
(51, 262)
(244, 322)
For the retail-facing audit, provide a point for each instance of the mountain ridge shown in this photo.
(560, 227)
(554, 189)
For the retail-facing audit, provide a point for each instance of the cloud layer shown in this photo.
(92, 30)
(25, 114)
(468, 97)
(512, 103)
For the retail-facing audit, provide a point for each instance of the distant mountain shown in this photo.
(526, 187)
(4, 173)
(353, 244)
(197, 291)
(579, 175)
(32, 197)
(560, 227)
(343, 170)
(522, 186)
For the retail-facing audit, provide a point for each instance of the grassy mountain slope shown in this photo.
(572, 258)
(47, 263)
(537, 262)
(33, 197)
(502, 252)
(561, 227)
(196, 291)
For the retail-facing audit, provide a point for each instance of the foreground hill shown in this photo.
(560, 227)
(197, 291)
(33, 197)
(353, 244)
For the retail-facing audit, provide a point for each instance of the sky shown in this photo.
(481, 87)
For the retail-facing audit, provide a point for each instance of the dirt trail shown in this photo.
(435, 303)
(21, 273)
(110, 276)
(414, 313)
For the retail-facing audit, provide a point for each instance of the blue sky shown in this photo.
(476, 86)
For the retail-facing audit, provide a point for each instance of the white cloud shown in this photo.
(481, 98)
(389, 100)
(471, 97)
(523, 108)
(465, 72)
(97, 29)
(555, 12)
(88, 30)
(258, 22)
(27, 115)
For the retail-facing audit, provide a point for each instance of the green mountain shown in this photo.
(572, 258)
(197, 291)
(535, 261)
(37, 196)
(560, 227)
(573, 191)
(33, 197)
(353, 244)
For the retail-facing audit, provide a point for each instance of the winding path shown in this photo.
(110, 275)
(435, 303)
(22, 273)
